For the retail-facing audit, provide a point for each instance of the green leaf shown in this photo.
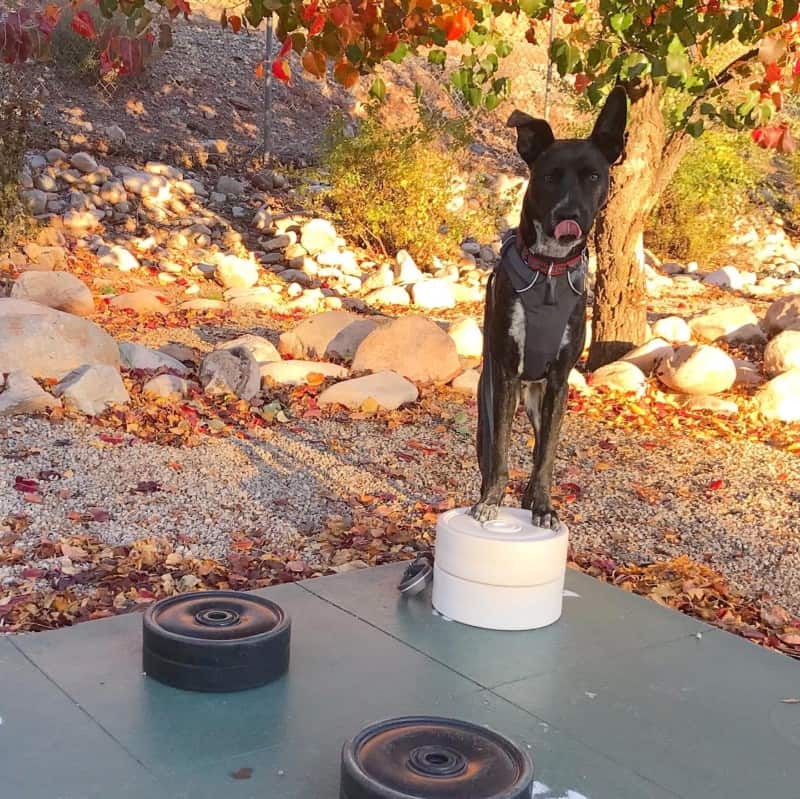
(476, 37)
(491, 101)
(621, 21)
(503, 49)
(708, 109)
(531, 7)
(695, 129)
(437, 57)
(790, 9)
(399, 53)
(378, 89)
(354, 53)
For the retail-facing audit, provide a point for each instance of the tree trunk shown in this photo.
(620, 312)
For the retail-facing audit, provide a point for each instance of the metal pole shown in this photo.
(549, 63)
(268, 93)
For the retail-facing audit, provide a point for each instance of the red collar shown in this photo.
(545, 265)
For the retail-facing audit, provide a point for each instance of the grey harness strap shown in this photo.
(548, 302)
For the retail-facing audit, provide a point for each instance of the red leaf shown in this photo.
(83, 25)
(715, 485)
(581, 82)
(317, 24)
(307, 13)
(32, 574)
(110, 439)
(774, 73)
(25, 485)
(258, 71)
(281, 70)
(236, 23)
(285, 48)
(243, 773)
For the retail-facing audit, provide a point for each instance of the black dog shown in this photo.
(535, 314)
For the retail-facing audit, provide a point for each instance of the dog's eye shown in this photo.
(594, 176)
(548, 178)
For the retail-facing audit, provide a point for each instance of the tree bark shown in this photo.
(619, 314)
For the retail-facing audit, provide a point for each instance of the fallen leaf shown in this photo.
(715, 485)
(243, 773)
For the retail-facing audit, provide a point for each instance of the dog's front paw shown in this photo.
(484, 512)
(544, 517)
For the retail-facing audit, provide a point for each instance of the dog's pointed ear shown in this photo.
(609, 130)
(534, 136)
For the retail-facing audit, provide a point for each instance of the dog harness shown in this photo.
(549, 292)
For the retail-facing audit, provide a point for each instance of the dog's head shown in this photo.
(569, 178)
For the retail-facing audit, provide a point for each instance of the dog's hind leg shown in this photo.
(545, 406)
(498, 397)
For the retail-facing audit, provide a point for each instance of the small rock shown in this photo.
(234, 272)
(296, 276)
(734, 324)
(23, 394)
(45, 258)
(167, 387)
(152, 187)
(55, 155)
(576, 380)
(747, 373)
(83, 162)
(59, 290)
(672, 329)
(649, 355)
(332, 334)
(203, 304)
(92, 389)
(467, 382)
(727, 277)
(716, 405)
(698, 369)
(782, 353)
(230, 187)
(433, 293)
(783, 314)
(79, 223)
(137, 356)
(381, 279)
(390, 295)
(230, 371)
(254, 298)
(35, 201)
(621, 376)
(779, 399)
(466, 334)
(669, 268)
(262, 349)
(412, 346)
(295, 373)
(116, 135)
(279, 242)
(388, 389)
(318, 235)
(309, 300)
(113, 192)
(406, 271)
(143, 301)
(117, 257)
(262, 219)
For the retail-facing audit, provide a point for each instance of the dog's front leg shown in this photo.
(498, 397)
(551, 414)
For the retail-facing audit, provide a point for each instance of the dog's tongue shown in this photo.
(567, 229)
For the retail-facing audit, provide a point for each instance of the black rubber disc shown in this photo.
(423, 757)
(215, 641)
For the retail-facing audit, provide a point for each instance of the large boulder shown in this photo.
(782, 353)
(779, 399)
(672, 329)
(262, 349)
(649, 355)
(697, 369)
(412, 346)
(389, 295)
(137, 356)
(734, 324)
(318, 235)
(47, 343)
(783, 314)
(92, 389)
(233, 371)
(620, 376)
(331, 334)
(142, 301)
(295, 373)
(23, 394)
(466, 333)
(467, 382)
(388, 389)
(433, 293)
(59, 290)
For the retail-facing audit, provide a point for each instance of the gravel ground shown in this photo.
(626, 493)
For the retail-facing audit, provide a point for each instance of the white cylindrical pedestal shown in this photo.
(501, 575)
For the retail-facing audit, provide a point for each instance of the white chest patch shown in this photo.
(517, 332)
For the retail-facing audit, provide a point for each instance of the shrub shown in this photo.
(400, 188)
(13, 134)
(715, 183)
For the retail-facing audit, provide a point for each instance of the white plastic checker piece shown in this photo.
(504, 574)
